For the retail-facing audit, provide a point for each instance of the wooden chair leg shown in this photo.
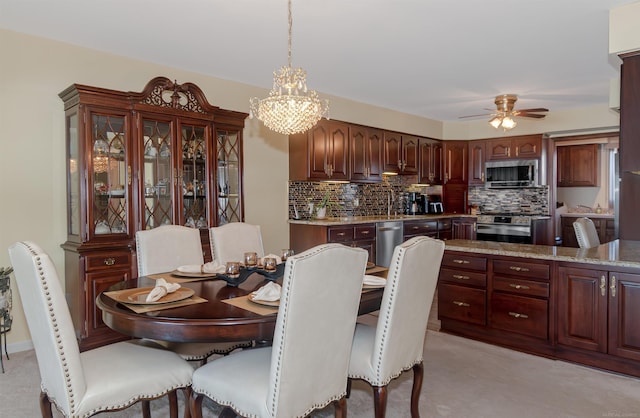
(340, 408)
(187, 397)
(173, 404)
(348, 387)
(380, 401)
(196, 405)
(45, 406)
(418, 374)
(146, 408)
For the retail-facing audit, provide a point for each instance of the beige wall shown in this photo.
(34, 70)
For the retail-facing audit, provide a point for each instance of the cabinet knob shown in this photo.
(516, 268)
(603, 285)
(462, 304)
(518, 315)
(519, 286)
(461, 277)
(110, 261)
(461, 261)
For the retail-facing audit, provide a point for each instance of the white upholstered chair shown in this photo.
(164, 249)
(380, 354)
(229, 242)
(586, 233)
(306, 367)
(111, 377)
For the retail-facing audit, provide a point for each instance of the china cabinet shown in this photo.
(135, 161)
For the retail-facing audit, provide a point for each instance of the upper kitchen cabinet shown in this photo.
(455, 163)
(431, 163)
(365, 154)
(527, 146)
(320, 153)
(137, 161)
(477, 156)
(578, 165)
(400, 153)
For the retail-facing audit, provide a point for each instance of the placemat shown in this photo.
(173, 279)
(157, 307)
(244, 303)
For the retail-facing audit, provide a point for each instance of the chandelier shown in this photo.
(290, 107)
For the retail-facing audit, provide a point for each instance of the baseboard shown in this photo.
(19, 346)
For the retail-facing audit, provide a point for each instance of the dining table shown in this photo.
(215, 312)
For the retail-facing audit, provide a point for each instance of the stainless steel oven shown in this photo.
(505, 228)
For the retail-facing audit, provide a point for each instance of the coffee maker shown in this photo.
(415, 204)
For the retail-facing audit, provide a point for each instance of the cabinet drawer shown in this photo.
(523, 287)
(364, 232)
(520, 314)
(462, 303)
(339, 234)
(444, 224)
(467, 278)
(464, 261)
(523, 269)
(108, 260)
(420, 228)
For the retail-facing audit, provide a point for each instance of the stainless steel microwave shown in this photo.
(511, 174)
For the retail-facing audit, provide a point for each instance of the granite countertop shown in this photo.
(618, 253)
(350, 220)
(588, 215)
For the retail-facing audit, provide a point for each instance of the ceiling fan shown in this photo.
(503, 116)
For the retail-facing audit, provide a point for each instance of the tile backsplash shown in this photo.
(534, 200)
(354, 199)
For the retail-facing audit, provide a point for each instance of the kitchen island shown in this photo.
(361, 231)
(579, 305)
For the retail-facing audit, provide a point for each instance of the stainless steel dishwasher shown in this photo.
(388, 235)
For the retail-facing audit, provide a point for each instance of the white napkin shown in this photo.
(161, 289)
(210, 267)
(277, 257)
(374, 280)
(269, 292)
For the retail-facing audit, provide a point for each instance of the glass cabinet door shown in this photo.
(193, 179)
(109, 178)
(156, 175)
(228, 177)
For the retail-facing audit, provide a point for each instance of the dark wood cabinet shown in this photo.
(456, 160)
(578, 165)
(519, 300)
(321, 153)
(400, 153)
(365, 154)
(476, 162)
(604, 226)
(598, 311)
(431, 162)
(520, 147)
(462, 289)
(137, 161)
(304, 236)
(464, 228)
(422, 227)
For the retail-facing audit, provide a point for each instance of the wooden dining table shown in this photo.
(213, 320)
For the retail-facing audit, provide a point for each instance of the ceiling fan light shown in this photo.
(508, 123)
(496, 121)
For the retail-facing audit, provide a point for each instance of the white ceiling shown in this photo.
(439, 59)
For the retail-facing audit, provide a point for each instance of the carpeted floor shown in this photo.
(463, 378)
